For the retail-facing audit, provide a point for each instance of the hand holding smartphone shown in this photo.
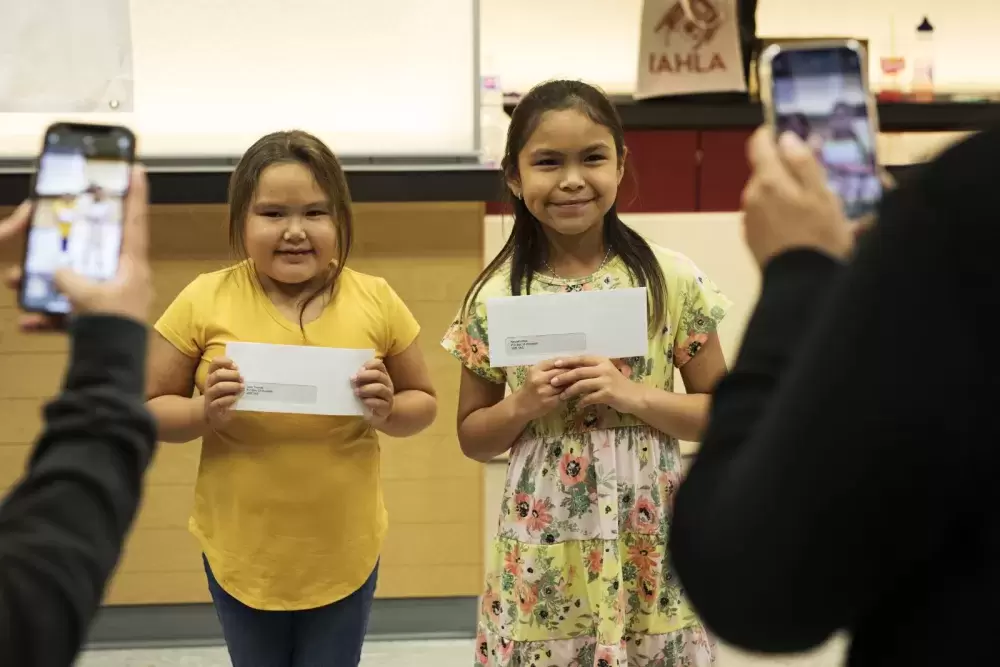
(118, 280)
(77, 219)
(819, 91)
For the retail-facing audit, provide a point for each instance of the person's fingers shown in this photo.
(375, 405)
(39, 322)
(370, 377)
(73, 285)
(548, 391)
(225, 402)
(802, 164)
(888, 180)
(376, 390)
(225, 388)
(581, 387)
(135, 231)
(222, 375)
(374, 365)
(545, 366)
(762, 149)
(863, 225)
(575, 375)
(581, 360)
(12, 277)
(221, 362)
(16, 223)
(545, 378)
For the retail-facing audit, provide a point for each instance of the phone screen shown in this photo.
(820, 95)
(80, 186)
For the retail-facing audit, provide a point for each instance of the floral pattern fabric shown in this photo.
(578, 574)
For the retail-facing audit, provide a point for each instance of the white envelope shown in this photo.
(524, 330)
(298, 379)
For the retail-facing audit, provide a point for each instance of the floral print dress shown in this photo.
(578, 574)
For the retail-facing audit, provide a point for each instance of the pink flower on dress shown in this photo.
(605, 657)
(512, 561)
(683, 353)
(595, 559)
(504, 649)
(647, 588)
(644, 556)
(645, 516)
(668, 483)
(491, 605)
(522, 506)
(472, 350)
(527, 597)
(573, 469)
(540, 518)
(482, 649)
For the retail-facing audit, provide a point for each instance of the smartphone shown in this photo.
(819, 90)
(78, 191)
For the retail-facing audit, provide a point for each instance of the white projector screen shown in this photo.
(373, 78)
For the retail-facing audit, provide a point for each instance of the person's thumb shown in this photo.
(801, 161)
(74, 286)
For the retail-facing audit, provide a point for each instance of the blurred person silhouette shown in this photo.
(840, 485)
(98, 213)
(65, 212)
(850, 164)
(62, 525)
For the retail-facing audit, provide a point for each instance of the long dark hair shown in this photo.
(302, 148)
(526, 246)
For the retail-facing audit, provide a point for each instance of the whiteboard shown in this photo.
(372, 78)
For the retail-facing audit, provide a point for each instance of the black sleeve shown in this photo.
(822, 479)
(62, 526)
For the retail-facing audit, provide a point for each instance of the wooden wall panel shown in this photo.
(429, 253)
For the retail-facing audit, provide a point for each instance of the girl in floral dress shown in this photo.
(578, 575)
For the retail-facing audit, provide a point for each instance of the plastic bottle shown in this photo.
(493, 121)
(922, 82)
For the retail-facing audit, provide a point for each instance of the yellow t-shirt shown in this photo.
(288, 508)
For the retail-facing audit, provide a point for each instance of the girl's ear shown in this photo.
(515, 187)
(621, 164)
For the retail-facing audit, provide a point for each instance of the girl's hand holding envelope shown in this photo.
(373, 386)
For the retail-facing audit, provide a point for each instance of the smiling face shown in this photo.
(290, 230)
(568, 172)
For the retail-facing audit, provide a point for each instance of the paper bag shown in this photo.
(688, 47)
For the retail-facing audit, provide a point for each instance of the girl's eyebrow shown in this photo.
(268, 204)
(589, 149)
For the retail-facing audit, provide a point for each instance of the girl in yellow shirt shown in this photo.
(65, 210)
(288, 508)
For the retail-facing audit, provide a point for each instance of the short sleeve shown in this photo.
(402, 327)
(467, 340)
(181, 323)
(705, 306)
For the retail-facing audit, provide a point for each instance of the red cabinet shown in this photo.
(661, 172)
(722, 170)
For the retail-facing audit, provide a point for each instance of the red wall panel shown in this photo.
(723, 170)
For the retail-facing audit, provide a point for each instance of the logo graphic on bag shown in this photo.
(699, 21)
(689, 46)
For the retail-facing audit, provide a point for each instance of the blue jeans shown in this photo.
(330, 636)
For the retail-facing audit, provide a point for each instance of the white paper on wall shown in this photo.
(65, 56)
